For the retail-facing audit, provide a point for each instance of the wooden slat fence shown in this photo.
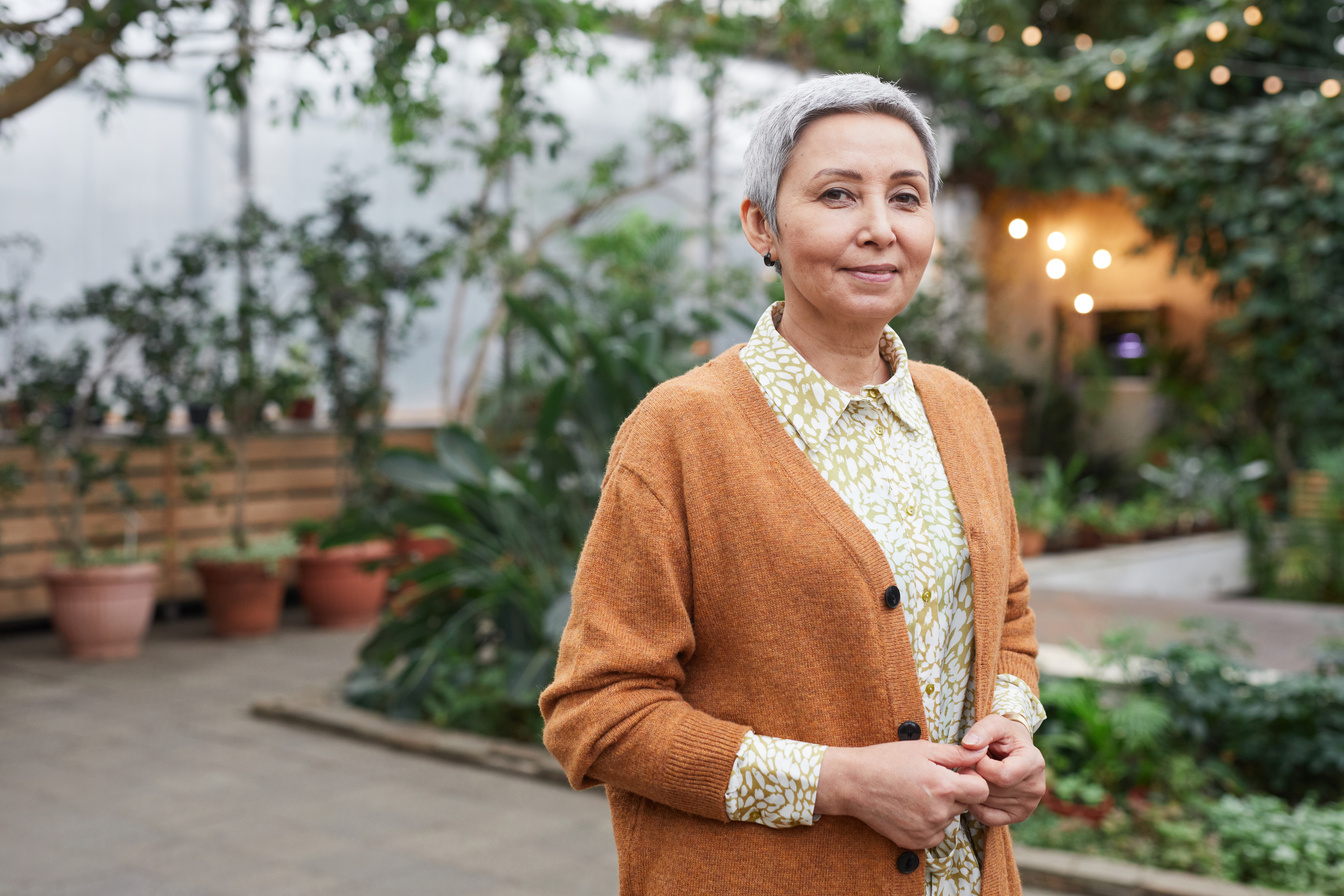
(293, 475)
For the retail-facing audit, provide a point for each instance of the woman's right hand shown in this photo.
(907, 791)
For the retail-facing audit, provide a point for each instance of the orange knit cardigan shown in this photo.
(725, 586)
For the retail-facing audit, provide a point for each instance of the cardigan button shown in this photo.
(907, 862)
(892, 597)
(908, 731)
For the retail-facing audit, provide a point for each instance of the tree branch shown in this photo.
(466, 408)
(70, 54)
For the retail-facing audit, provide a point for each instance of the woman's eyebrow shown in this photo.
(849, 174)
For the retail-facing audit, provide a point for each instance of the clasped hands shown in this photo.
(908, 791)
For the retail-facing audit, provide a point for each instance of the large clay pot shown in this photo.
(102, 612)
(242, 599)
(342, 587)
(1030, 542)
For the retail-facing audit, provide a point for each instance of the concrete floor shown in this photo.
(149, 778)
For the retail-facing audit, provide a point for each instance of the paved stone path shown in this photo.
(150, 778)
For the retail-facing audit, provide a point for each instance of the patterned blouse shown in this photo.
(877, 451)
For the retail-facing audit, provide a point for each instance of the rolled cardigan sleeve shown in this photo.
(614, 713)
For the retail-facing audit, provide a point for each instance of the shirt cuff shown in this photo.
(774, 782)
(1013, 695)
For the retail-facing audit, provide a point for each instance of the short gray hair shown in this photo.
(779, 127)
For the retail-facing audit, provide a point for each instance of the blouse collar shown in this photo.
(811, 403)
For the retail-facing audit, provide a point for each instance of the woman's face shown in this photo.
(855, 218)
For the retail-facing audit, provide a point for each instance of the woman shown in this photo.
(800, 655)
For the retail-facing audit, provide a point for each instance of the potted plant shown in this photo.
(294, 383)
(102, 598)
(243, 580)
(1043, 504)
(343, 570)
(362, 291)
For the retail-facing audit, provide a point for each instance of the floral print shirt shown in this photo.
(877, 451)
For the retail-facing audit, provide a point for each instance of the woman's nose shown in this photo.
(876, 225)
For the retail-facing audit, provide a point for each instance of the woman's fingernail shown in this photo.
(970, 740)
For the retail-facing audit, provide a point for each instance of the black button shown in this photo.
(907, 862)
(908, 731)
(892, 597)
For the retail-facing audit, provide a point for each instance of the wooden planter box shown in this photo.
(293, 476)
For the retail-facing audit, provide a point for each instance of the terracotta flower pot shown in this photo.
(412, 550)
(338, 586)
(1090, 815)
(303, 408)
(1030, 542)
(242, 598)
(102, 612)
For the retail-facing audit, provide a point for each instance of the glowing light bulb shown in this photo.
(1063, 92)
(1216, 31)
(1220, 75)
(1083, 42)
(1185, 59)
(1101, 258)
(1253, 16)
(994, 33)
(1329, 88)
(1056, 241)
(1273, 84)
(1083, 303)
(1017, 228)
(1031, 35)
(950, 25)
(1115, 79)
(1054, 268)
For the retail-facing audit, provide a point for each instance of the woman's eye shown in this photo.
(835, 194)
(907, 198)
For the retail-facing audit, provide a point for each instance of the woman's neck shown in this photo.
(847, 356)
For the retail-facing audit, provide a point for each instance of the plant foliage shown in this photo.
(472, 643)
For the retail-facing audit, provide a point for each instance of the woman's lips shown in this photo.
(874, 273)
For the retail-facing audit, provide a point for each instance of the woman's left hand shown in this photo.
(1013, 768)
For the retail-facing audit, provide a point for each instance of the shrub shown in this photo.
(1266, 842)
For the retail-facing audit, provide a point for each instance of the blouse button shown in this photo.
(910, 511)
(927, 594)
(881, 430)
(928, 688)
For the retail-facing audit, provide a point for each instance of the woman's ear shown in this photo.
(756, 229)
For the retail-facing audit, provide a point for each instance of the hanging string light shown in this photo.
(1017, 228)
(1216, 31)
(1115, 79)
(1083, 42)
(1083, 303)
(1185, 59)
(1253, 16)
(1330, 88)
(1220, 75)
(1273, 84)
(950, 25)
(994, 33)
(1063, 92)
(1031, 35)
